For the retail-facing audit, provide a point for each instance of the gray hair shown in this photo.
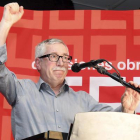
(41, 48)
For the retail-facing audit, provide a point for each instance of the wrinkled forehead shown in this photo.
(57, 48)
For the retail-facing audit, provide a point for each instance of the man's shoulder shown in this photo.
(79, 92)
(26, 81)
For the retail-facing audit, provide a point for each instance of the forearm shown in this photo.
(4, 30)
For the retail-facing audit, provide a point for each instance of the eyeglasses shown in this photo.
(54, 57)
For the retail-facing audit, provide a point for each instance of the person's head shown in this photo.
(51, 66)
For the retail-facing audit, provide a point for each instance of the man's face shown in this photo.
(54, 71)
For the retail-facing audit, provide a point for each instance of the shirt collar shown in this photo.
(64, 87)
(39, 83)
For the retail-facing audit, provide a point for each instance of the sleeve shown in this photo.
(3, 54)
(94, 106)
(7, 78)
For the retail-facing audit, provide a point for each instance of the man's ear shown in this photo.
(38, 63)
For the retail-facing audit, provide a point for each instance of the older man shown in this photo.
(49, 104)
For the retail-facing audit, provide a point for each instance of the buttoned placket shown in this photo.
(57, 112)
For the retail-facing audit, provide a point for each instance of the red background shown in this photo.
(89, 35)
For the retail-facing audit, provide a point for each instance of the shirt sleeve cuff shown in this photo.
(3, 54)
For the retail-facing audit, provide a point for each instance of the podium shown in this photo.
(98, 126)
(106, 126)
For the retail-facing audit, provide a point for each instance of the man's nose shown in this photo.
(60, 61)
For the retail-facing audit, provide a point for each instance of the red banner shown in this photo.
(89, 35)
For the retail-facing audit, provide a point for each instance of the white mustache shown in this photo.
(59, 68)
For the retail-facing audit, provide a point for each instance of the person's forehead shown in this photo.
(57, 48)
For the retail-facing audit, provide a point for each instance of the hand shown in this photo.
(12, 13)
(130, 99)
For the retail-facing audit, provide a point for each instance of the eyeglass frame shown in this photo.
(48, 55)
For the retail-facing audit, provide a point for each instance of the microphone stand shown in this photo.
(114, 76)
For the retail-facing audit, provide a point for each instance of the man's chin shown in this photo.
(59, 74)
(59, 77)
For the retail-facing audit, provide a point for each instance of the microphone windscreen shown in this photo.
(75, 67)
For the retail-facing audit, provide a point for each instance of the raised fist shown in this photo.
(12, 13)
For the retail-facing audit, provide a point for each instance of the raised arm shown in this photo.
(12, 13)
(8, 81)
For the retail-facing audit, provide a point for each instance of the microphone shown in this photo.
(77, 67)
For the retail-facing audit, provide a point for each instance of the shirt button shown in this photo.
(57, 110)
(59, 126)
